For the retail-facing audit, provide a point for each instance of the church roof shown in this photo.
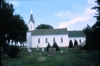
(31, 17)
(76, 33)
(50, 31)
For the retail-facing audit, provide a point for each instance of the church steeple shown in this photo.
(31, 17)
(31, 23)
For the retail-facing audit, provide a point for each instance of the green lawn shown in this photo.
(68, 58)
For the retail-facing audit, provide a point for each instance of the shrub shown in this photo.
(75, 43)
(12, 51)
(56, 46)
(48, 46)
(70, 44)
(6, 47)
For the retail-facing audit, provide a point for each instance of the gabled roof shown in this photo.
(76, 34)
(50, 31)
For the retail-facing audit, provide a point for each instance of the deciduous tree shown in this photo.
(44, 26)
(13, 26)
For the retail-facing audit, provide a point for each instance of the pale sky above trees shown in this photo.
(73, 14)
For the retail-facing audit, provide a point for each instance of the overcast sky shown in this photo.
(73, 14)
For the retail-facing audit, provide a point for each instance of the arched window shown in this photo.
(46, 40)
(80, 41)
(31, 27)
(61, 40)
(53, 39)
(38, 40)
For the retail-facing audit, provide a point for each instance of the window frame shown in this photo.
(46, 40)
(53, 39)
(30, 26)
(79, 40)
(61, 40)
(38, 40)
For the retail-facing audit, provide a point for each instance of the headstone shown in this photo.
(37, 48)
(39, 57)
(29, 50)
(61, 51)
(40, 53)
(42, 48)
(43, 53)
(52, 51)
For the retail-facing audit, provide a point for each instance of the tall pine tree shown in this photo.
(93, 35)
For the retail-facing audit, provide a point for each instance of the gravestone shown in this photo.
(42, 48)
(29, 50)
(61, 51)
(40, 54)
(37, 48)
(39, 57)
(52, 51)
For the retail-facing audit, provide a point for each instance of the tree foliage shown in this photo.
(13, 26)
(70, 44)
(97, 8)
(12, 51)
(75, 43)
(44, 26)
(93, 33)
(56, 46)
(48, 46)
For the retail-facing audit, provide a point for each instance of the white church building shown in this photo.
(41, 37)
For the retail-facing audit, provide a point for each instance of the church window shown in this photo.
(46, 40)
(61, 40)
(53, 39)
(80, 41)
(31, 27)
(38, 40)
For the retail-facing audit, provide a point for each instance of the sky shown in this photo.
(70, 14)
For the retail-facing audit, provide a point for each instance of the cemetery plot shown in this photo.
(52, 52)
(37, 48)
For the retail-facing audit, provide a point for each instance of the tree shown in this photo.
(88, 33)
(70, 44)
(75, 43)
(93, 33)
(56, 46)
(13, 27)
(96, 28)
(12, 51)
(44, 26)
(6, 13)
(97, 8)
(20, 28)
(48, 46)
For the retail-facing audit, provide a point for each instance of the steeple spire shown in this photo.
(31, 10)
(31, 17)
(31, 23)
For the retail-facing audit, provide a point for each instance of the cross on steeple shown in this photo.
(31, 10)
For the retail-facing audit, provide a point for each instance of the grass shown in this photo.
(68, 58)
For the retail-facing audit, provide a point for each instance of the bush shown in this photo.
(5, 48)
(75, 43)
(12, 51)
(70, 44)
(56, 46)
(48, 46)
